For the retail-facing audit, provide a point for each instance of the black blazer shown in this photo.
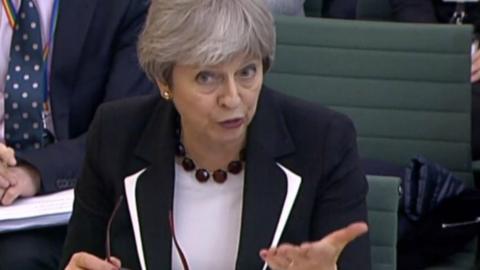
(287, 139)
(93, 60)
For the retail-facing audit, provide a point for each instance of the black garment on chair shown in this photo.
(433, 197)
(426, 186)
(425, 242)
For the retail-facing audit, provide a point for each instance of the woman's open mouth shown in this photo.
(232, 123)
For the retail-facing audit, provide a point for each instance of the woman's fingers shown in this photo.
(274, 260)
(115, 261)
(286, 256)
(321, 254)
(277, 262)
(340, 238)
(292, 253)
(85, 261)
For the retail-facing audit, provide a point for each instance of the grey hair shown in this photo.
(204, 32)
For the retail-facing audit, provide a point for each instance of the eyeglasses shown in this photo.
(183, 259)
(171, 224)
(109, 225)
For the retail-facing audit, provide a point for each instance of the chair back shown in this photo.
(382, 202)
(405, 86)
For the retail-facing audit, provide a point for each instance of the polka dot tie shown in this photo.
(25, 82)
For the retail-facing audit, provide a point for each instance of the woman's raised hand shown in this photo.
(320, 255)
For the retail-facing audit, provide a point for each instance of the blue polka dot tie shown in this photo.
(25, 82)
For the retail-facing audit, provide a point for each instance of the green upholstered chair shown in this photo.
(405, 86)
(382, 201)
(313, 8)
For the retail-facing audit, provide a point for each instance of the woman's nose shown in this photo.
(230, 97)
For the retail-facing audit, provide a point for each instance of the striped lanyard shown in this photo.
(12, 16)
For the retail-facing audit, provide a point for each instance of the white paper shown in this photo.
(40, 211)
(130, 193)
(293, 185)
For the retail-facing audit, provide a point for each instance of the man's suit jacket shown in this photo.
(339, 9)
(288, 139)
(433, 11)
(94, 60)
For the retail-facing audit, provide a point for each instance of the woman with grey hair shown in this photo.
(219, 172)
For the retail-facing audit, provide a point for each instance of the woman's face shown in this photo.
(216, 103)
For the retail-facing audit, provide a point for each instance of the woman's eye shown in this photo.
(248, 72)
(205, 77)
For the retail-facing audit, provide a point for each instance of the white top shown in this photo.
(207, 219)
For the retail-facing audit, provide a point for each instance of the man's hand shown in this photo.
(16, 181)
(7, 159)
(319, 255)
(476, 67)
(23, 181)
(7, 155)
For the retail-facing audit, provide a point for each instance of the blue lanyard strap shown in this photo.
(10, 12)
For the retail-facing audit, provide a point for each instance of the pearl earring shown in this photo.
(166, 95)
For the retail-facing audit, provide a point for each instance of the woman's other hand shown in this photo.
(85, 261)
(319, 255)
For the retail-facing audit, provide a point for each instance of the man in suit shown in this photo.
(340, 9)
(432, 11)
(92, 59)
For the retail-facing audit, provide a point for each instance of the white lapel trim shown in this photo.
(130, 187)
(293, 185)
